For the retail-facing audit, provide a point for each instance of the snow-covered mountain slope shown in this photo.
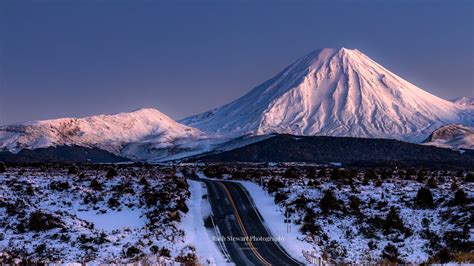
(452, 136)
(107, 132)
(335, 92)
(464, 101)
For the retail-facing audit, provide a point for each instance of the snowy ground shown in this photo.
(50, 215)
(373, 216)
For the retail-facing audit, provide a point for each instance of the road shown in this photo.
(236, 217)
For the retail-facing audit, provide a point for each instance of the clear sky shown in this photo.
(79, 58)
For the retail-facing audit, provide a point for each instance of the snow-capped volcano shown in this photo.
(335, 92)
(107, 132)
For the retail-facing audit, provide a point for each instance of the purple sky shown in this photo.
(59, 58)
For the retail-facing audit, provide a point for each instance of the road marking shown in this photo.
(242, 228)
(263, 223)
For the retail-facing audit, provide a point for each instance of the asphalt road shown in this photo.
(237, 218)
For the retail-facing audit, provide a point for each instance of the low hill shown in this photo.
(61, 154)
(346, 150)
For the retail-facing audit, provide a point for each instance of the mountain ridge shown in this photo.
(328, 92)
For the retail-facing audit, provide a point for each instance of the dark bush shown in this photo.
(469, 177)
(111, 173)
(311, 173)
(238, 175)
(39, 249)
(442, 256)
(208, 222)
(424, 198)
(164, 252)
(125, 187)
(72, 170)
(322, 173)
(329, 202)
(144, 182)
(132, 252)
(189, 259)
(390, 253)
(95, 185)
(3, 168)
(291, 173)
(30, 190)
(420, 177)
(213, 172)
(370, 174)
(181, 184)
(301, 202)
(40, 221)
(337, 174)
(274, 184)
(181, 205)
(280, 196)
(394, 223)
(432, 183)
(60, 186)
(354, 203)
(460, 197)
(113, 203)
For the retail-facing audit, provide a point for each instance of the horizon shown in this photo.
(60, 65)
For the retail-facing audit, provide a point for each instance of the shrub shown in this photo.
(460, 197)
(164, 252)
(393, 222)
(424, 198)
(421, 178)
(311, 173)
(30, 190)
(3, 168)
(291, 173)
(280, 196)
(144, 182)
(322, 173)
(95, 185)
(40, 248)
(181, 205)
(301, 201)
(213, 171)
(442, 256)
(390, 253)
(432, 183)
(111, 173)
(370, 174)
(189, 259)
(274, 184)
(60, 186)
(336, 174)
(113, 203)
(72, 170)
(469, 177)
(208, 222)
(181, 184)
(132, 252)
(329, 202)
(238, 175)
(354, 203)
(40, 221)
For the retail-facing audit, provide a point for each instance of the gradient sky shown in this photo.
(65, 58)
